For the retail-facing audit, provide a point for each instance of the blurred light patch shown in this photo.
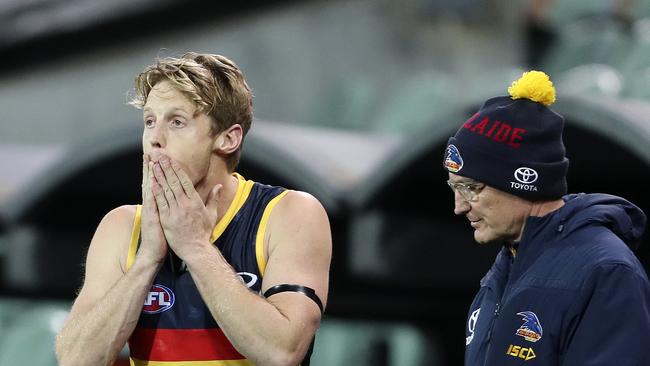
(20, 164)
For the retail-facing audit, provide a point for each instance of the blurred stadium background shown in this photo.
(354, 102)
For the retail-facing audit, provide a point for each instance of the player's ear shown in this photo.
(229, 140)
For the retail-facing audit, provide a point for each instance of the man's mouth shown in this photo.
(155, 156)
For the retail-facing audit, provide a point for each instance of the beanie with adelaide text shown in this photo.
(514, 143)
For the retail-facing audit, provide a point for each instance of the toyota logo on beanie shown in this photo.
(514, 143)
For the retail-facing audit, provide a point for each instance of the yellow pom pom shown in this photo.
(533, 85)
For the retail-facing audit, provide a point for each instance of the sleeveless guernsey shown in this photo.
(175, 327)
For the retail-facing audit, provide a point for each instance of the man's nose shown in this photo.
(157, 136)
(461, 206)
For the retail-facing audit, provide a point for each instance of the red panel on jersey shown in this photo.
(181, 345)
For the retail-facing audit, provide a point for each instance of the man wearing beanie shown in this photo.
(565, 289)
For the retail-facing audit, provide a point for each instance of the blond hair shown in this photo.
(213, 82)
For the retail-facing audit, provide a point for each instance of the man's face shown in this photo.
(496, 216)
(173, 127)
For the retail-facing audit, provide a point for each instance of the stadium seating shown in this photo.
(590, 79)
(411, 105)
(635, 69)
(586, 41)
(28, 331)
(372, 343)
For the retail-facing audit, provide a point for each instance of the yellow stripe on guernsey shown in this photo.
(243, 190)
(261, 231)
(135, 234)
(136, 362)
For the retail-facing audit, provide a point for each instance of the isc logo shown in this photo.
(521, 352)
(159, 299)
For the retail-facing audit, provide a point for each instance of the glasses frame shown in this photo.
(468, 191)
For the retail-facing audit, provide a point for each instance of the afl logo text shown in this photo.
(159, 299)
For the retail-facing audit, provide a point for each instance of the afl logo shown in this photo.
(247, 278)
(526, 175)
(159, 299)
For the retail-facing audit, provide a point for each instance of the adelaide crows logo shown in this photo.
(531, 330)
(453, 160)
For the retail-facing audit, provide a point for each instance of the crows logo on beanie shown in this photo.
(514, 143)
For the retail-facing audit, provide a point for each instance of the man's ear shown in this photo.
(229, 140)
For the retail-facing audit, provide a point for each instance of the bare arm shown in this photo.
(108, 306)
(274, 331)
(277, 330)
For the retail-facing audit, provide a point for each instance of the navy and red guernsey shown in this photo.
(175, 325)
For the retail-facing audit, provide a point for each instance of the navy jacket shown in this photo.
(574, 294)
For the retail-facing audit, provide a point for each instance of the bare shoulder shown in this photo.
(120, 217)
(106, 259)
(298, 205)
(299, 215)
(113, 234)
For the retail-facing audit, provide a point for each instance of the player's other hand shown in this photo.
(186, 221)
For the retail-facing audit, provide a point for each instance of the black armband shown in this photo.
(307, 291)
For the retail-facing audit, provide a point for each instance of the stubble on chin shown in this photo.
(483, 241)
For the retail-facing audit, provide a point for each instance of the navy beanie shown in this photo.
(514, 143)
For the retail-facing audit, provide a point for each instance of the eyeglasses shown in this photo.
(469, 191)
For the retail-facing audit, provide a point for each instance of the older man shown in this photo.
(566, 288)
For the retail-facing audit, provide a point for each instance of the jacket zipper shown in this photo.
(489, 335)
(495, 315)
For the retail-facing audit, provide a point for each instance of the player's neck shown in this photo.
(229, 185)
(228, 191)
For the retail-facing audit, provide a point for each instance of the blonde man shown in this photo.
(212, 268)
